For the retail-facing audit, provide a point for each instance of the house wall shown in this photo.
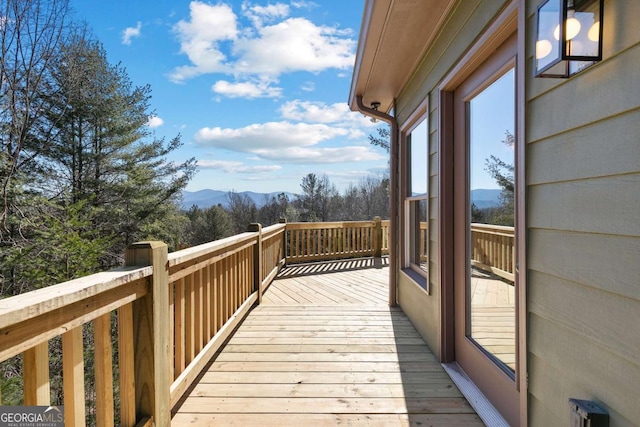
(465, 22)
(583, 214)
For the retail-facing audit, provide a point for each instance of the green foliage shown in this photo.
(382, 140)
(503, 173)
(207, 225)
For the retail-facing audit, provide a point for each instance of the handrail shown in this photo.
(174, 311)
(28, 321)
(493, 249)
(319, 241)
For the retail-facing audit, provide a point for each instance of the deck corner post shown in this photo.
(377, 237)
(151, 335)
(257, 260)
(284, 239)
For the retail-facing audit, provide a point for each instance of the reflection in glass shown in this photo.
(491, 287)
(417, 196)
(418, 160)
(419, 238)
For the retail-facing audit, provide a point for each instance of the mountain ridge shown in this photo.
(207, 197)
(481, 197)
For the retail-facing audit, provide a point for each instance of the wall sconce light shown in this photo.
(568, 37)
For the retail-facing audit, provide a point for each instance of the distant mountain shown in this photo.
(486, 198)
(483, 198)
(207, 198)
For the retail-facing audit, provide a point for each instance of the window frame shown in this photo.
(410, 203)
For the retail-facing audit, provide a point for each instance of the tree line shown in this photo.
(82, 176)
(319, 201)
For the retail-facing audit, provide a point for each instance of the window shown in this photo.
(416, 197)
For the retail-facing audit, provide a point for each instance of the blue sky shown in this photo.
(257, 89)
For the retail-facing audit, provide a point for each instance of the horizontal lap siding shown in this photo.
(583, 207)
(465, 22)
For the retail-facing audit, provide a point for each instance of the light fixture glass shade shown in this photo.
(568, 37)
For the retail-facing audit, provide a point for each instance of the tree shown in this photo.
(31, 33)
(503, 173)
(103, 151)
(243, 211)
(375, 196)
(207, 225)
(382, 140)
(318, 197)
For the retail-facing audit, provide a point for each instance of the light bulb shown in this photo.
(572, 26)
(543, 48)
(594, 32)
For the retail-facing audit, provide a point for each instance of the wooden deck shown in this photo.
(324, 349)
(493, 312)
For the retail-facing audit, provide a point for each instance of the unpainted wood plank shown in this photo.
(325, 420)
(423, 357)
(325, 377)
(103, 365)
(35, 363)
(316, 366)
(331, 405)
(73, 377)
(326, 361)
(126, 366)
(269, 390)
(326, 341)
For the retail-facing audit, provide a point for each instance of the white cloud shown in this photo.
(306, 155)
(288, 142)
(272, 45)
(261, 14)
(308, 86)
(248, 90)
(131, 32)
(200, 39)
(268, 136)
(236, 167)
(302, 4)
(316, 48)
(155, 121)
(319, 112)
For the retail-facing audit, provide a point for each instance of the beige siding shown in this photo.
(422, 309)
(466, 20)
(583, 183)
(583, 215)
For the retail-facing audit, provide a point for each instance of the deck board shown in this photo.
(324, 349)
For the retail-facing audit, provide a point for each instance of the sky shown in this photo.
(257, 89)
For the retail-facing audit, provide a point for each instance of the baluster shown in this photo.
(103, 361)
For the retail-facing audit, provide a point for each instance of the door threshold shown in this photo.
(485, 410)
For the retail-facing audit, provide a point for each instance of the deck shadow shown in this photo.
(324, 267)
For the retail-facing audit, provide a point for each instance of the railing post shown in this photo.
(151, 335)
(257, 260)
(377, 237)
(284, 239)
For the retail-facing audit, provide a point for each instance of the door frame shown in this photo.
(507, 22)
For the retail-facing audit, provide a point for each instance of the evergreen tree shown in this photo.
(503, 173)
(104, 153)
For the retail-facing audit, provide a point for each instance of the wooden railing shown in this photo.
(492, 249)
(211, 288)
(172, 311)
(167, 314)
(320, 241)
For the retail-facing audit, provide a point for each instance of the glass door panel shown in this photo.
(490, 305)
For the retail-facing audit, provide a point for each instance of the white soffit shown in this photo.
(394, 36)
